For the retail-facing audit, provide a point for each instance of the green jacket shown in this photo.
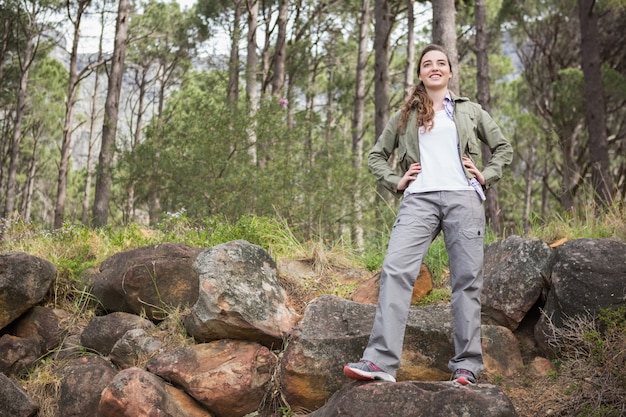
(472, 124)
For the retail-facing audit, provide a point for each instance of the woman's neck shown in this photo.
(437, 97)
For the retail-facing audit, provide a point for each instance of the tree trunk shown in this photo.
(233, 62)
(357, 121)
(601, 178)
(251, 72)
(93, 117)
(109, 127)
(4, 44)
(27, 196)
(382, 28)
(409, 64)
(492, 209)
(444, 34)
(528, 188)
(68, 123)
(29, 53)
(278, 78)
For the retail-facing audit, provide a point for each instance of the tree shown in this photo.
(28, 25)
(68, 125)
(280, 56)
(94, 116)
(409, 67)
(42, 132)
(159, 54)
(251, 73)
(492, 209)
(601, 177)
(357, 119)
(444, 34)
(104, 177)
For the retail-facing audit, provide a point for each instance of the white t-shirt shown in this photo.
(439, 155)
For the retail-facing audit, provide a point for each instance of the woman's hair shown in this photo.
(419, 99)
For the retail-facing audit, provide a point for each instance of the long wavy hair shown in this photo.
(419, 99)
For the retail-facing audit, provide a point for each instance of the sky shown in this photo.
(91, 27)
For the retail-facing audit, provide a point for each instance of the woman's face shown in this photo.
(434, 70)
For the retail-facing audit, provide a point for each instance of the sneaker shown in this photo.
(366, 371)
(464, 377)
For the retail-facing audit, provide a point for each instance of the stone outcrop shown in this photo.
(24, 282)
(417, 399)
(588, 275)
(334, 331)
(82, 382)
(135, 392)
(229, 377)
(517, 274)
(240, 316)
(240, 297)
(148, 280)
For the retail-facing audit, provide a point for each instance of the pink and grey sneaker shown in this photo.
(464, 377)
(366, 371)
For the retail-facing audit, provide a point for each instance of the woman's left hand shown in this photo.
(467, 163)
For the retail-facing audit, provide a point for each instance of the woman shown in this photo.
(437, 137)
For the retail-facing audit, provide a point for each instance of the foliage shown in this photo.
(593, 362)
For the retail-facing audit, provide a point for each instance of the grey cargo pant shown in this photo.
(461, 217)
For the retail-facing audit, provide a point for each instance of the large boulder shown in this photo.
(82, 382)
(335, 331)
(417, 399)
(148, 280)
(517, 273)
(135, 392)
(24, 282)
(589, 275)
(240, 297)
(229, 377)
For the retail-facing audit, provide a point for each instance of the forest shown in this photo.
(119, 112)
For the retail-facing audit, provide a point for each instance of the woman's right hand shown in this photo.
(410, 175)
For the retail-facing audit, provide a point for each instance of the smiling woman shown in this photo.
(435, 133)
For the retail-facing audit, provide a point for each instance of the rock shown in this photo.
(14, 401)
(417, 399)
(541, 367)
(517, 273)
(229, 377)
(103, 332)
(24, 282)
(148, 280)
(134, 392)
(501, 353)
(135, 346)
(367, 292)
(82, 382)
(43, 325)
(17, 354)
(335, 331)
(588, 275)
(240, 297)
